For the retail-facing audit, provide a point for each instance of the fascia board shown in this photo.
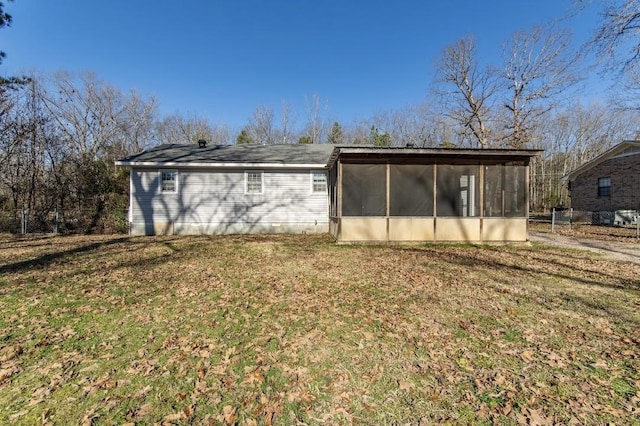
(220, 165)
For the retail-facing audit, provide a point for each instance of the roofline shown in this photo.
(213, 165)
(439, 152)
(600, 159)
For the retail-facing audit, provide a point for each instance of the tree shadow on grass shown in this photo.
(502, 268)
(543, 261)
(47, 259)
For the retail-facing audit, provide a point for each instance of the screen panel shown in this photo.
(457, 190)
(364, 190)
(411, 190)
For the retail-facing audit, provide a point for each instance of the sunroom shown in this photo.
(426, 194)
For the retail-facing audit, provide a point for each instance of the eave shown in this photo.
(600, 159)
(206, 165)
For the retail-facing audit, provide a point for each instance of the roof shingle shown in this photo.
(229, 154)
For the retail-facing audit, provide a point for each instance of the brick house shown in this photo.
(609, 182)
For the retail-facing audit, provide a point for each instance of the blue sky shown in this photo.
(221, 59)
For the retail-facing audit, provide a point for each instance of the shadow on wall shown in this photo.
(216, 203)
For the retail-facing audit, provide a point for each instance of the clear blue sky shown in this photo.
(221, 59)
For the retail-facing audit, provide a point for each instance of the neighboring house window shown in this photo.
(318, 182)
(253, 182)
(604, 187)
(169, 181)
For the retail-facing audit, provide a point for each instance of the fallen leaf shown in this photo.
(145, 410)
(405, 386)
(229, 414)
(142, 392)
(6, 373)
(527, 356)
(174, 417)
(10, 352)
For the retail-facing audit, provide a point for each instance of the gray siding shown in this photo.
(214, 202)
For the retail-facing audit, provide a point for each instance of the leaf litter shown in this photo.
(295, 329)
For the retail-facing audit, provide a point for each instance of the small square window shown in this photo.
(169, 181)
(318, 182)
(604, 187)
(253, 182)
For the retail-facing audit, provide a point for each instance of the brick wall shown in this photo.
(625, 186)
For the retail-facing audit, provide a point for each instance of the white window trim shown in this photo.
(326, 181)
(246, 182)
(175, 191)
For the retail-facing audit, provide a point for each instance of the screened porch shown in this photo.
(405, 194)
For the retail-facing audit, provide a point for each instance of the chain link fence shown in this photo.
(67, 221)
(571, 218)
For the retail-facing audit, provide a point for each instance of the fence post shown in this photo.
(553, 220)
(55, 221)
(571, 218)
(23, 222)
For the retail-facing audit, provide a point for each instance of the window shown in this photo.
(604, 187)
(318, 182)
(253, 182)
(169, 181)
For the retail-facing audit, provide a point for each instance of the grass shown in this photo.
(295, 329)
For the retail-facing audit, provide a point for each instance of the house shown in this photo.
(228, 189)
(356, 193)
(609, 182)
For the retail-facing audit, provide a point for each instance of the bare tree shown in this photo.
(87, 111)
(316, 110)
(261, 126)
(5, 21)
(414, 125)
(538, 67)
(616, 40)
(180, 129)
(467, 89)
(287, 122)
(137, 125)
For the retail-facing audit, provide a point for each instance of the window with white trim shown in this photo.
(169, 181)
(253, 182)
(318, 182)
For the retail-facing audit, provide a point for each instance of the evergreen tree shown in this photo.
(335, 136)
(377, 139)
(244, 137)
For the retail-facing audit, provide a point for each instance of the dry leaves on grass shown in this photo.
(178, 330)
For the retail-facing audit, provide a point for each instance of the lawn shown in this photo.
(297, 330)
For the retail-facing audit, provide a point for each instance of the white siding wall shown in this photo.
(214, 201)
